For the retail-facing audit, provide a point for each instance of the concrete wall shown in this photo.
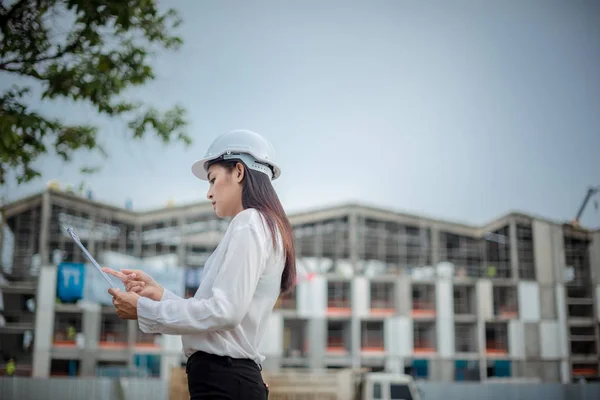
(44, 321)
(403, 296)
(595, 257)
(545, 371)
(532, 340)
(398, 336)
(272, 345)
(550, 371)
(550, 347)
(91, 323)
(485, 300)
(547, 303)
(312, 298)
(152, 389)
(445, 318)
(544, 258)
(441, 370)
(361, 296)
(317, 332)
(558, 253)
(529, 301)
(516, 342)
(598, 302)
(563, 332)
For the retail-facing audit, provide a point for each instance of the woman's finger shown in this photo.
(136, 273)
(114, 273)
(132, 284)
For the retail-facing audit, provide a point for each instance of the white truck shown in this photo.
(387, 386)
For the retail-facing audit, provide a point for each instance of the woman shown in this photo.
(223, 324)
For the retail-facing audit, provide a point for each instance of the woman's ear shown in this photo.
(239, 172)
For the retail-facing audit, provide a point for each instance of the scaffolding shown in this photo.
(465, 338)
(338, 337)
(464, 300)
(525, 252)
(424, 337)
(496, 339)
(338, 297)
(382, 298)
(423, 300)
(372, 337)
(505, 302)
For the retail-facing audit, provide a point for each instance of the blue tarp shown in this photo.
(70, 281)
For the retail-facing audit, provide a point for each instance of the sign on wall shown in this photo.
(70, 281)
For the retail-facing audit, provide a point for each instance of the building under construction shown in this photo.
(517, 298)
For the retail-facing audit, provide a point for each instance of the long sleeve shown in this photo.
(232, 292)
(168, 295)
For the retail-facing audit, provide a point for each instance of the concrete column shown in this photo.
(317, 332)
(445, 369)
(484, 312)
(91, 245)
(532, 341)
(595, 257)
(360, 290)
(272, 345)
(381, 236)
(355, 341)
(563, 333)
(181, 244)
(138, 242)
(444, 300)
(403, 296)
(44, 321)
(91, 320)
(44, 229)
(543, 256)
(435, 245)
(319, 240)
(558, 254)
(353, 239)
(132, 327)
(171, 344)
(514, 253)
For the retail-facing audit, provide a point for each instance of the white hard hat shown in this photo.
(250, 147)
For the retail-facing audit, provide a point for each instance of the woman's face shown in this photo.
(225, 190)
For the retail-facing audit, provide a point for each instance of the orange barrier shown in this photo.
(339, 311)
(64, 343)
(382, 311)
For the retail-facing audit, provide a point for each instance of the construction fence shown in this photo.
(20, 388)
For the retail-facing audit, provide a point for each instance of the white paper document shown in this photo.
(89, 256)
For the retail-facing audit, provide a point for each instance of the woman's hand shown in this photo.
(125, 303)
(139, 282)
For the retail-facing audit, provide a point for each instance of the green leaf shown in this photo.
(104, 53)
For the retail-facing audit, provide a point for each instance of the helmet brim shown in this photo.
(198, 169)
(200, 172)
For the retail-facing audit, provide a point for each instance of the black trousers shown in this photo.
(224, 378)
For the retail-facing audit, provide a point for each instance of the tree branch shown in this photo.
(6, 17)
(68, 49)
(29, 72)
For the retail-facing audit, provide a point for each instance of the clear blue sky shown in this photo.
(460, 110)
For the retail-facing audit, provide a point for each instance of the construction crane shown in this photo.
(591, 191)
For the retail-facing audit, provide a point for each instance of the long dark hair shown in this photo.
(258, 193)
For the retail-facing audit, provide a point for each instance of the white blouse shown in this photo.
(230, 310)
